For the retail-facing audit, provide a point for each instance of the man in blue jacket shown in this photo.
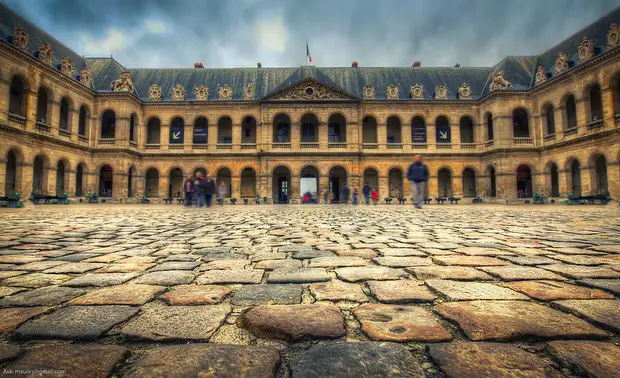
(417, 174)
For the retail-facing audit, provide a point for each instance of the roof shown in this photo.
(519, 71)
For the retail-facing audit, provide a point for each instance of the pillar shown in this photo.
(431, 138)
(71, 182)
(613, 179)
(382, 135)
(433, 186)
(236, 138)
(26, 181)
(323, 136)
(188, 134)
(506, 183)
(211, 136)
(51, 181)
(2, 176)
(563, 182)
(405, 137)
(384, 188)
(235, 186)
(163, 185)
(31, 108)
(608, 106)
(457, 186)
(295, 135)
(294, 189)
(586, 180)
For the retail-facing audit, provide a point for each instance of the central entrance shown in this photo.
(281, 185)
(337, 181)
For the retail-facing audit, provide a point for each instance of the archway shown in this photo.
(596, 103)
(599, 177)
(554, 180)
(106, 180)
(466, 128)
(444, 182)
(131, 176)
(492, 189)
(248, 128)
(369, 130)
(281, 183)
(520, 123)
(224, 175)
(443, 133)
(571, 113)
(337, 182)
(82, 123)
(248, 183)
(393, 130)
(39, 175)
(175, 183)
(371, 177)
(418, 130)
(133, 120)
(43, 100)
(79, 180)
(282, 129)
(524, 181)
(64, 119)
(309, 128)
(60, 178)
(151, 183)
(309, 181)
(177, 131)
(337, 129)
(490, 135)
(395, 183)
(17, 97)
(12, 182)
(200, 134)
(549, 120)
(108, 124)
(575, 178)
(153, 131)
(224, 131)
(469, 182)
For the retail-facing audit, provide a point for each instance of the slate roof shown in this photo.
(518, 70)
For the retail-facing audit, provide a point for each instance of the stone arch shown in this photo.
(177, 131)
(133, 127)
(525, 181)
(81, 179)
(248, 182)
(520, 123)
(108, 124)
(492, 183)
(418, 129)
(40, 169)
(489, 126)
(468, 177)
(395, 182)
(614, 84)
(249, 129)
(570, 111)
(64, 116)
(151, 182)
(153, 131)
(369, 130)
(443, 130)
(337, 128)
(281, 184)
(18, 95)
(45, 101)
(309, 128)
(224, 175)
(309, 176)
(175, 182)
(106, 181)
(444, 181)
(598, 173)
(552, 178)
(548, 118)
(200, 131)
(338, 179)
(132, 177)
(224, 130)
(594, 97)
(83, 120)
(371, 177)
(394, 130)
(62, 176)
(466, 129)
(282, 128)
(13, 172)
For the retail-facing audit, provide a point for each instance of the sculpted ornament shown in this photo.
(85, 77)
(586, 50)
(498, 81)
(46, 53)
(465, 92)
(249, 91)
(613, 36)
(225, 92)
(541, 75)
(67, 67)
(368, 92)
(561, 63)
(201, 92)
(155, 92)
(417, 91)
(441, 92)
(178, 92)
(124, 83)
(21, 38)
(392, 92)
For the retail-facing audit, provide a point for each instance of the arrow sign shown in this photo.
(443, 135)
(176, 135)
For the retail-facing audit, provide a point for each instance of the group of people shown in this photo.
(199, 190)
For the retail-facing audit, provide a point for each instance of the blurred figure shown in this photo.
(417, 174)
(209, 188)
(221, 193)
(366, 192)
(375, 196)
(189, 191)
(200, 189)
(355, 196)
(346, 193)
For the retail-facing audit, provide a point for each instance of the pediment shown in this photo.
(310, 90)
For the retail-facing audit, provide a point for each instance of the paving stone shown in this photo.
(74, 267)
(225, 264)
(268, 256)
(175, 265)
(356, 274)
(11, 318)
(611, 285)
(513, 320)
(19, 259)
(278, 264)
(252, 295)
(458, 273)
(75, 360)
(468, 261)
(364, 253)
(515, 273)
(466, 291)
(401, 291)
(611, 248)
(39, 265)
(310, 254)
(294, 322)
(45, 296)
(353, 360)
(76, 257)
(578, 271)
(486, 359)
(401, 262)
(100, 279)
(335, 262)
(529, 260)
(394, 252)
(184, 295)
(553, 290)
(168, 323)
(166, 278)
(11, 273)
(128, 294)
(581, 259)
(206, 360)
(336, 290)
(231, 276)
(76, 322)
(6, 291)
(600, 311)
(9, 352)
(300, 275)
(126, 267)
(400, 323)
(477, 251)
(223, 256)
(34, 280)
(587, 358)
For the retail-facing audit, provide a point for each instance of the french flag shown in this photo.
(308, 56)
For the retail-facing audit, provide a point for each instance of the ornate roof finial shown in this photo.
(498, 81)
(124, 83)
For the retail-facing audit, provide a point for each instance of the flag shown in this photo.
(308, 56)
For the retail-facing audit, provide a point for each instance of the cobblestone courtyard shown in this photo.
(310, 291)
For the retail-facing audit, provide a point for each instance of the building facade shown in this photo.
(547, 123)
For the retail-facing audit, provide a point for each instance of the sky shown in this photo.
(376, 33)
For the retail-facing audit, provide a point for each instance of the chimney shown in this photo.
(416, 64)
(199, 65)
(457, 65)
(259, 65)
(354, 64)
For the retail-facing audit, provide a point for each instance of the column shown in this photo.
(188, 133)
(433, 186)
(164, 135)
(586, 182)
(323, 187)
(384, 188)
(323, 135)
(26, 179)
(405, 136)
(235, 187)
(4, 100)
(382, 135)
(163, 185)
(53, 109)
(608, 106)
(457, 185)
(539, 183)
(74, 121)
(353, 136)
(295, 135)
(506, 185)
(236, 137)
(71, 182)
(583, 114)
(51, 181)
(431, 137)
(139, 189)
(563, 182)
(212, 136)
(31, 109)
(2, 176)
(121, 133)
(455, 134)
(613, 179)
(119, 186)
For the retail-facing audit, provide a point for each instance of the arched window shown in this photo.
(309, 128)
(524, 182)
(490, 135)
(369, 131)
(596, 104)
(248, 129)
(177, 129)
(337, 129)
(444, 182)
(442, 125)
(466, 128)
(550, 119)
(554, 180)
(151, 184)
(17, 95)
(132, 128)
(393, 130)
(153, 131)
(520, 123)
(43, 99)
(64, 114)
(201, 131)
(108, 124)
(83, 121)
(418, 130)
(224, 131)
(282, 129)
(571, 113)
(469, 182)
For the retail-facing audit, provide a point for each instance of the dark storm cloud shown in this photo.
(166, 33)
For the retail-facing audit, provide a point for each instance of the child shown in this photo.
(375, 196)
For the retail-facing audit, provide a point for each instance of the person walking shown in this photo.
(200, 189)
(210, 189)
(189, 191)
(356, 196)
(346, 193)
(366, 192)
(417, 174)
(221, 193)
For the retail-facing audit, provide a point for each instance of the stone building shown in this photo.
(546, 123)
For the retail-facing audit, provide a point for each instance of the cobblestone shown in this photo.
(305, 289)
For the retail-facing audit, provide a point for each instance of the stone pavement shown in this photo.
(310, 291)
